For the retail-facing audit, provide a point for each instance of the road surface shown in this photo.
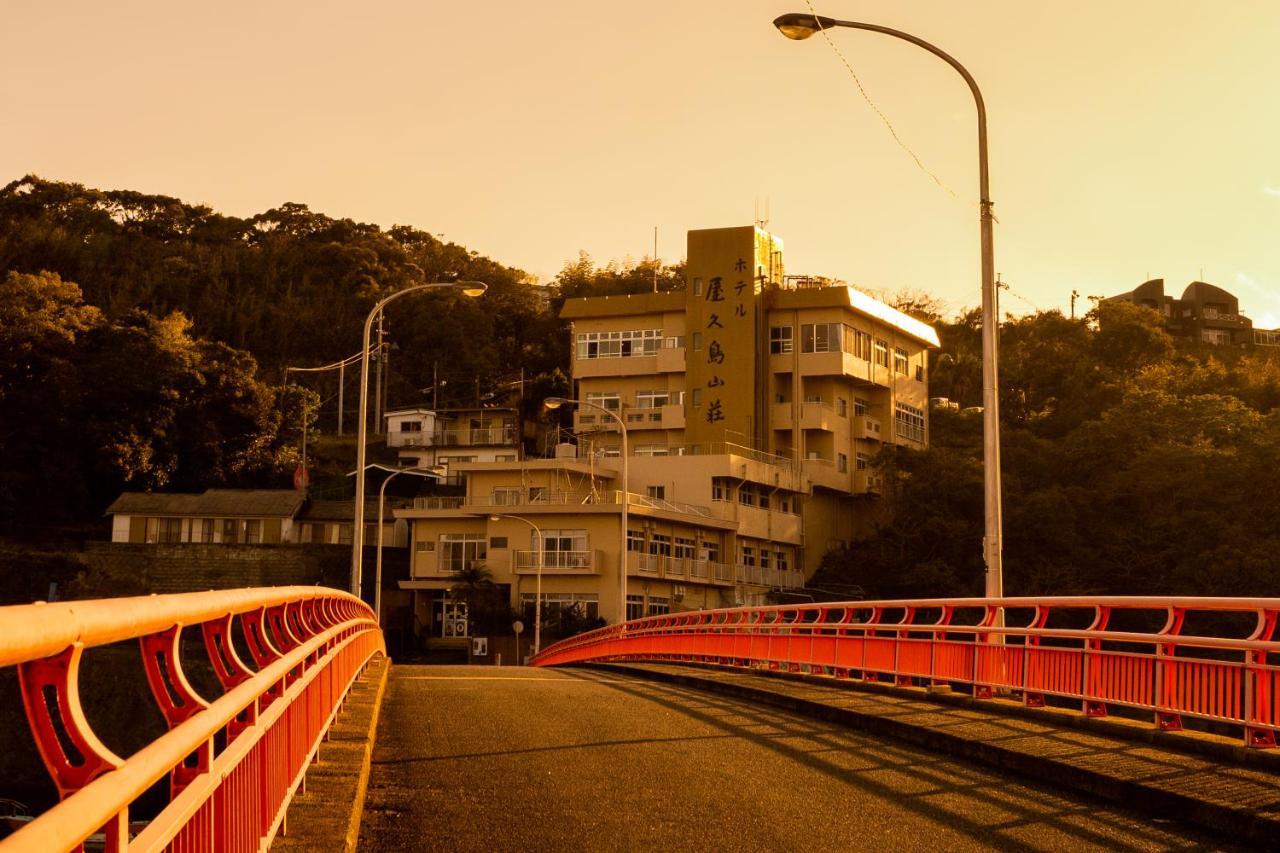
(488, 759)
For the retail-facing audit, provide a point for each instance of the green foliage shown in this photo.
(1130, 466)
(89, 406)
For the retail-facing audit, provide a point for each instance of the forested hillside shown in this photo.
(1131, 465)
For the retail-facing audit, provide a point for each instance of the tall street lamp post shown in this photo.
(432, 471)
(539, 543)
(467, 288)
(557, 402)
(800, 26)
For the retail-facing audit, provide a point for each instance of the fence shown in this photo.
(233, 762)
(1024, 647)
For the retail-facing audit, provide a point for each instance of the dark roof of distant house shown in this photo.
(344, 510)
(254, 503)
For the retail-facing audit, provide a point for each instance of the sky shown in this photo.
(1129, 140)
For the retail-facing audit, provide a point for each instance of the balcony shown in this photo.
(780, 416)
(671, 360)
(824, 472)
(769, 576)
(634, 365)
(760, 523)
(480, 436)
(409, 438)
(558, 562)
(867, 428)
(816, 414)
(867, 481)
(681, 569)
(643, 418)
(438, 503)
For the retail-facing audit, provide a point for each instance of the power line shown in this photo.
(867, 97)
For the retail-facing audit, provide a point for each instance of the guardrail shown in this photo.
(233, 762)
(1024, 647)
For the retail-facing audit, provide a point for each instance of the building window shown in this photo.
(656, 492)
(411, 426)
(624, 344)
(610, 400)
(820, 337)
(857, 343)
(344, 533)
(651, 399)
(659, 606)
(842, 463)
(861, 461)
(496, 542)
(460, 551)
(697, 397)
(748, 555)
(660, 545)
(709, 550)
(635, 541)
(635, 607)
(783, 563)
(919, 372)
(697, 287)
(683, 548)
(253, 531)
(719, 489)
(422, 546)
(230, 530)
(909, 422)
(780, 340)
(164, 530)
(860, 406)
(765, 558)
(697, 340)
(900, 360)
(202, 530)
(842, 407)
(746, 496)
(504, 457)
(881, 349)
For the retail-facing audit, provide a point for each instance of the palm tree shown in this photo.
(473, 585)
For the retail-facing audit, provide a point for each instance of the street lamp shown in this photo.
(430, 471)
(800, 26)
(557, 402)
(537, 602)
(467, 288)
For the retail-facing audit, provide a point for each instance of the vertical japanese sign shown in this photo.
(725, 276)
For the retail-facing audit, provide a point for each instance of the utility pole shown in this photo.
(377, 383)
(342, 369)
(1075, 294)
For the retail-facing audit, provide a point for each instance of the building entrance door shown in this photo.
(450, 618)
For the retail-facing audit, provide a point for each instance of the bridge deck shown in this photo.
(477, 758)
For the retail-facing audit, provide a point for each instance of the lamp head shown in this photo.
(552, 403)
(471, 288)
(494, 517)
(796, 26)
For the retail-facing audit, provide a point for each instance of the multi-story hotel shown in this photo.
(753, 404)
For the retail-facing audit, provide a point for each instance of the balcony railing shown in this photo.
(679, 568)
(470, 437)
(557, 562)
(769, 576)
(438, 503)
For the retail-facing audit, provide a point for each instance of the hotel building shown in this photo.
(754, 403)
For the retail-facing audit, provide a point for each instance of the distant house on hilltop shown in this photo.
(1205, 312)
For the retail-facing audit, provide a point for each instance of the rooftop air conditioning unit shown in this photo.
(677, 591)
(565, 450)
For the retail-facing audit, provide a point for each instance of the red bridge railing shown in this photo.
(233, 762)
(1083, 650)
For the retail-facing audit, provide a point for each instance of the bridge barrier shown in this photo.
(1016, 646)
(233, 762)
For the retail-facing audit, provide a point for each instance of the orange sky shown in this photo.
(1128, 139)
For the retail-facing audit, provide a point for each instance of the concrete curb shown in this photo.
(1233, 821)
(362, 781)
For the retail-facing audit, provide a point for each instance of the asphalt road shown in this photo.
(478, 758)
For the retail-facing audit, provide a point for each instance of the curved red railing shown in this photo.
(1013, 646)
(233, 762)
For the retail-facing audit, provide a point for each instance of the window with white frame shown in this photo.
(652, 399)
(610, 400)
(860, 406)
(820, 337)
(842, 462)
(861, 461)
(881, 350)
(459, 551)
(656, 492)
(621, 344)
(635, 606)
(684, 548)
(900, 360)
(909, 422)
(659, 606)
